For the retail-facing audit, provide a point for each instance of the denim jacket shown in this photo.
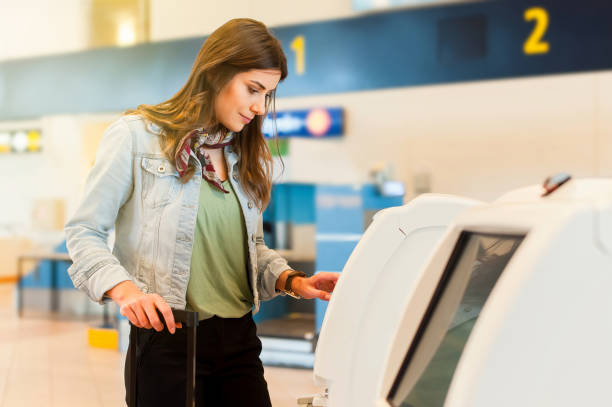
(134, 188)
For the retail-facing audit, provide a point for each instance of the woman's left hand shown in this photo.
(321, 285)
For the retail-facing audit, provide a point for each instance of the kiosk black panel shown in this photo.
(476, 264)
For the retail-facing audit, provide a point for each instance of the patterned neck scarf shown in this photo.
(197, 140)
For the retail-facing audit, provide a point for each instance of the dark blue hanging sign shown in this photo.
(316, 123)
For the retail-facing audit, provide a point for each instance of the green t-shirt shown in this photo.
(218, 282)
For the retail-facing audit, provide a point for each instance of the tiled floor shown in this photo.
(46, 362)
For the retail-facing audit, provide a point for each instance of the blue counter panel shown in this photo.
(373, 200)
(452, 43)
(302, 204)
(332, 256)
(292, 203)
(272, 309)
(40, 277)
(320, 309)
(338, 210)
(339, 225)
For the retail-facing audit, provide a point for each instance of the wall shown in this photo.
(57, 172)
(191, 18)
(40, 27)
(603, 124)
(475, 139)
(50, 27)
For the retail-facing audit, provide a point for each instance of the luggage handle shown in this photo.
(189, 319)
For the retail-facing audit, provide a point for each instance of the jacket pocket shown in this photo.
(160, 183)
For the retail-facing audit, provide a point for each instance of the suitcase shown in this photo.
(189, 319)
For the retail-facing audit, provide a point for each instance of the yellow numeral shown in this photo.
(534, 44)
(299, 45)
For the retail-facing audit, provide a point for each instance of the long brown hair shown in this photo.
(237, 46)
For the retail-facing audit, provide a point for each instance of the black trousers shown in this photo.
(228, 369)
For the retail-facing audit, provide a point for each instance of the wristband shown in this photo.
(290, 277)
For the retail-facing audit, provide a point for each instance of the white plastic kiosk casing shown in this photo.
(410, 232)
(542, 336)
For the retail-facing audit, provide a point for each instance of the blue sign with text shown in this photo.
(315, 123)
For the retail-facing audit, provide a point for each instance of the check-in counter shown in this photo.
(511, 307)
(375, 280)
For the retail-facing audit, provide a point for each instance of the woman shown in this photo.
(184, 184)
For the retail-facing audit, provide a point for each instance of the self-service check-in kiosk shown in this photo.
(513, 308)
(375, 274)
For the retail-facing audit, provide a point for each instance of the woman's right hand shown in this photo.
(141, 309)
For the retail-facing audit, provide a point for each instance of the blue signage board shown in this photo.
(404, 47)
(315, 123)
(369, 5)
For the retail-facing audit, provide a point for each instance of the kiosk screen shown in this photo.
(474, 267)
